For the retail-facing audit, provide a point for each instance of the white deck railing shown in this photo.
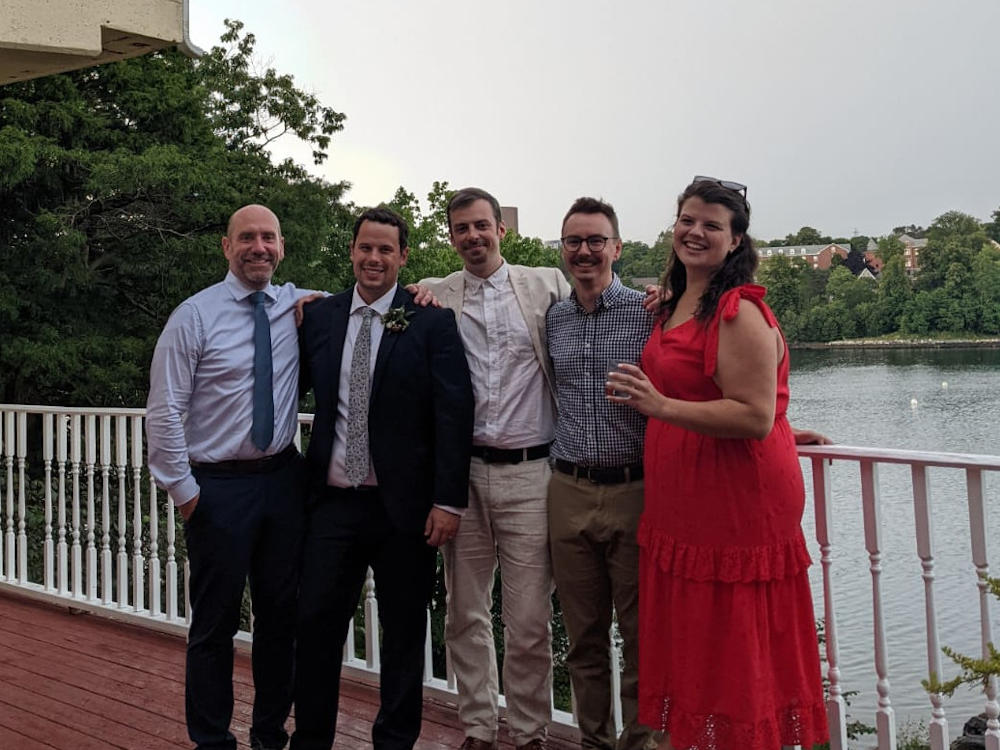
(105, 540)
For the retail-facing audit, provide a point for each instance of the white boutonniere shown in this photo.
(395, 319)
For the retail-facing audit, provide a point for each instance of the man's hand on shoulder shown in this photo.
(422, 295)
(441, 527)
(302, 302)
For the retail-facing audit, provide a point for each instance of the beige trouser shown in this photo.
(595, 560)
(506, 521)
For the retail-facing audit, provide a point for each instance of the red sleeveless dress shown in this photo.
(728, 654)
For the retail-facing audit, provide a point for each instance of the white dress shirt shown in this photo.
(200, 405)
(337, 473)
(514, 407)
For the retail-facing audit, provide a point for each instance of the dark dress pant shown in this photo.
(348, 532)
(245, 526)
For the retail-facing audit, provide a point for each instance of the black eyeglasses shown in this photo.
(595, 242)
(736, 187)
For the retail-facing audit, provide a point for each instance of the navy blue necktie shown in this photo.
(263, 391)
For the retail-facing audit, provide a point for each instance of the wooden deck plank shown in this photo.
(75, 680)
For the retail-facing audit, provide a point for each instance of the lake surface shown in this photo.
(865, 398)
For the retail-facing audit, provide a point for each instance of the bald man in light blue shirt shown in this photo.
(242, 500)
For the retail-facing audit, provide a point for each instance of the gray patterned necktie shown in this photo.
(356, 463)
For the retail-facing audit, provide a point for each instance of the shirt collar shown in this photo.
(241, 291)
(496, 279)
(381, 305)
(611, 295)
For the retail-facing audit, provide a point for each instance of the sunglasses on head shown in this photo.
(736, 187)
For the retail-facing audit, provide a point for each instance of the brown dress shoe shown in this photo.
(471, 743)
(538, 744)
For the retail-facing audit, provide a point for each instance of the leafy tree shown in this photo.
(528, 251)
(844, 287)
(116, 183)
(992, 229)
(894, 294)
(784, 278)
(889, 247)
(986, 289)
(913, 230)
(859, 243)
(953, 238)
(806, 236)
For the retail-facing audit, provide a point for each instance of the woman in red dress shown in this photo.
(728, 654)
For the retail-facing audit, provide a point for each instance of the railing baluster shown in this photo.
(836, 708)
(885, 720)
(8, 554)
(77, 550)
(49, 552)
(62, 425)
(154, 552)
(171, 562)
(616, 681)
(428, 651)
(138, 569)
(107, 576)
(977, 529)
(91, 433)
(372, 654)
(121, 461)
(938, 728)
(22, 520)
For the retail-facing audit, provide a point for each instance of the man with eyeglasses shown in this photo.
(596, 491)
(500, 310)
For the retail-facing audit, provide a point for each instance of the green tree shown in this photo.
(992, 229)
(807, 236)
(953, 238)
(890, 247)
(986, 289)
(859, 243)
(784, 278)
(115, 186)
(894, 294)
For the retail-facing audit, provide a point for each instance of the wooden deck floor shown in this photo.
(80, 681)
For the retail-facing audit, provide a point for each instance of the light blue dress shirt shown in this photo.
(200, 405)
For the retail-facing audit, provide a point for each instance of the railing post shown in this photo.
(938, 729)
(9, 551)
(372, 654)
(49, 551)
(154, 552)
(977, 529)
(77, 550)
(22, 520)
(836, 708)
(91, 521)
(138, 569)
(121, 461)
(61, 437)
(885, 720)
(107, 576)
(171, 562)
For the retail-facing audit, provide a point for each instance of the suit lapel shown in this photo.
(338, 332)
(529, 312)
(389, 339)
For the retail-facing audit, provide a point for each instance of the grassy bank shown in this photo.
(907, 341)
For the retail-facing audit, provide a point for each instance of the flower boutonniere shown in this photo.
(395, 319)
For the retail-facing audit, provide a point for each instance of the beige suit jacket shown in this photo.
(535, 289)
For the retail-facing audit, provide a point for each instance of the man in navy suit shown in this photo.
(389, 465)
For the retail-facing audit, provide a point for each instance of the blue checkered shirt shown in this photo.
(590, 430)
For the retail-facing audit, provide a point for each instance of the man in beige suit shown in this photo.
(500, 310)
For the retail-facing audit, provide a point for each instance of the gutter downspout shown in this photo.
(186, 46)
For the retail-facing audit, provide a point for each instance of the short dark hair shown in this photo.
(468, 196)
(738, 267)
(587, 205)
(383, 215)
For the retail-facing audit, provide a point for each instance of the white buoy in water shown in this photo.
(944, 385)
(913, 403)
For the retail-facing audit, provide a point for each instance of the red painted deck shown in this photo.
(80, 681)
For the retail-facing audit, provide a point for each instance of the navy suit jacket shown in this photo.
(421, 408)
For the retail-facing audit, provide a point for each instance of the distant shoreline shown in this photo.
(993, 343)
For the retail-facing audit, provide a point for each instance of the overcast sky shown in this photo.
(850, 116)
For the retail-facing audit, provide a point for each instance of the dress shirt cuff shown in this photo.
(184, 491)
(450, 509)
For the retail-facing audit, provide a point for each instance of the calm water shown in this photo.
(864, 398)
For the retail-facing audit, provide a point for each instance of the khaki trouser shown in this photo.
(595, 560)
(506, 521)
